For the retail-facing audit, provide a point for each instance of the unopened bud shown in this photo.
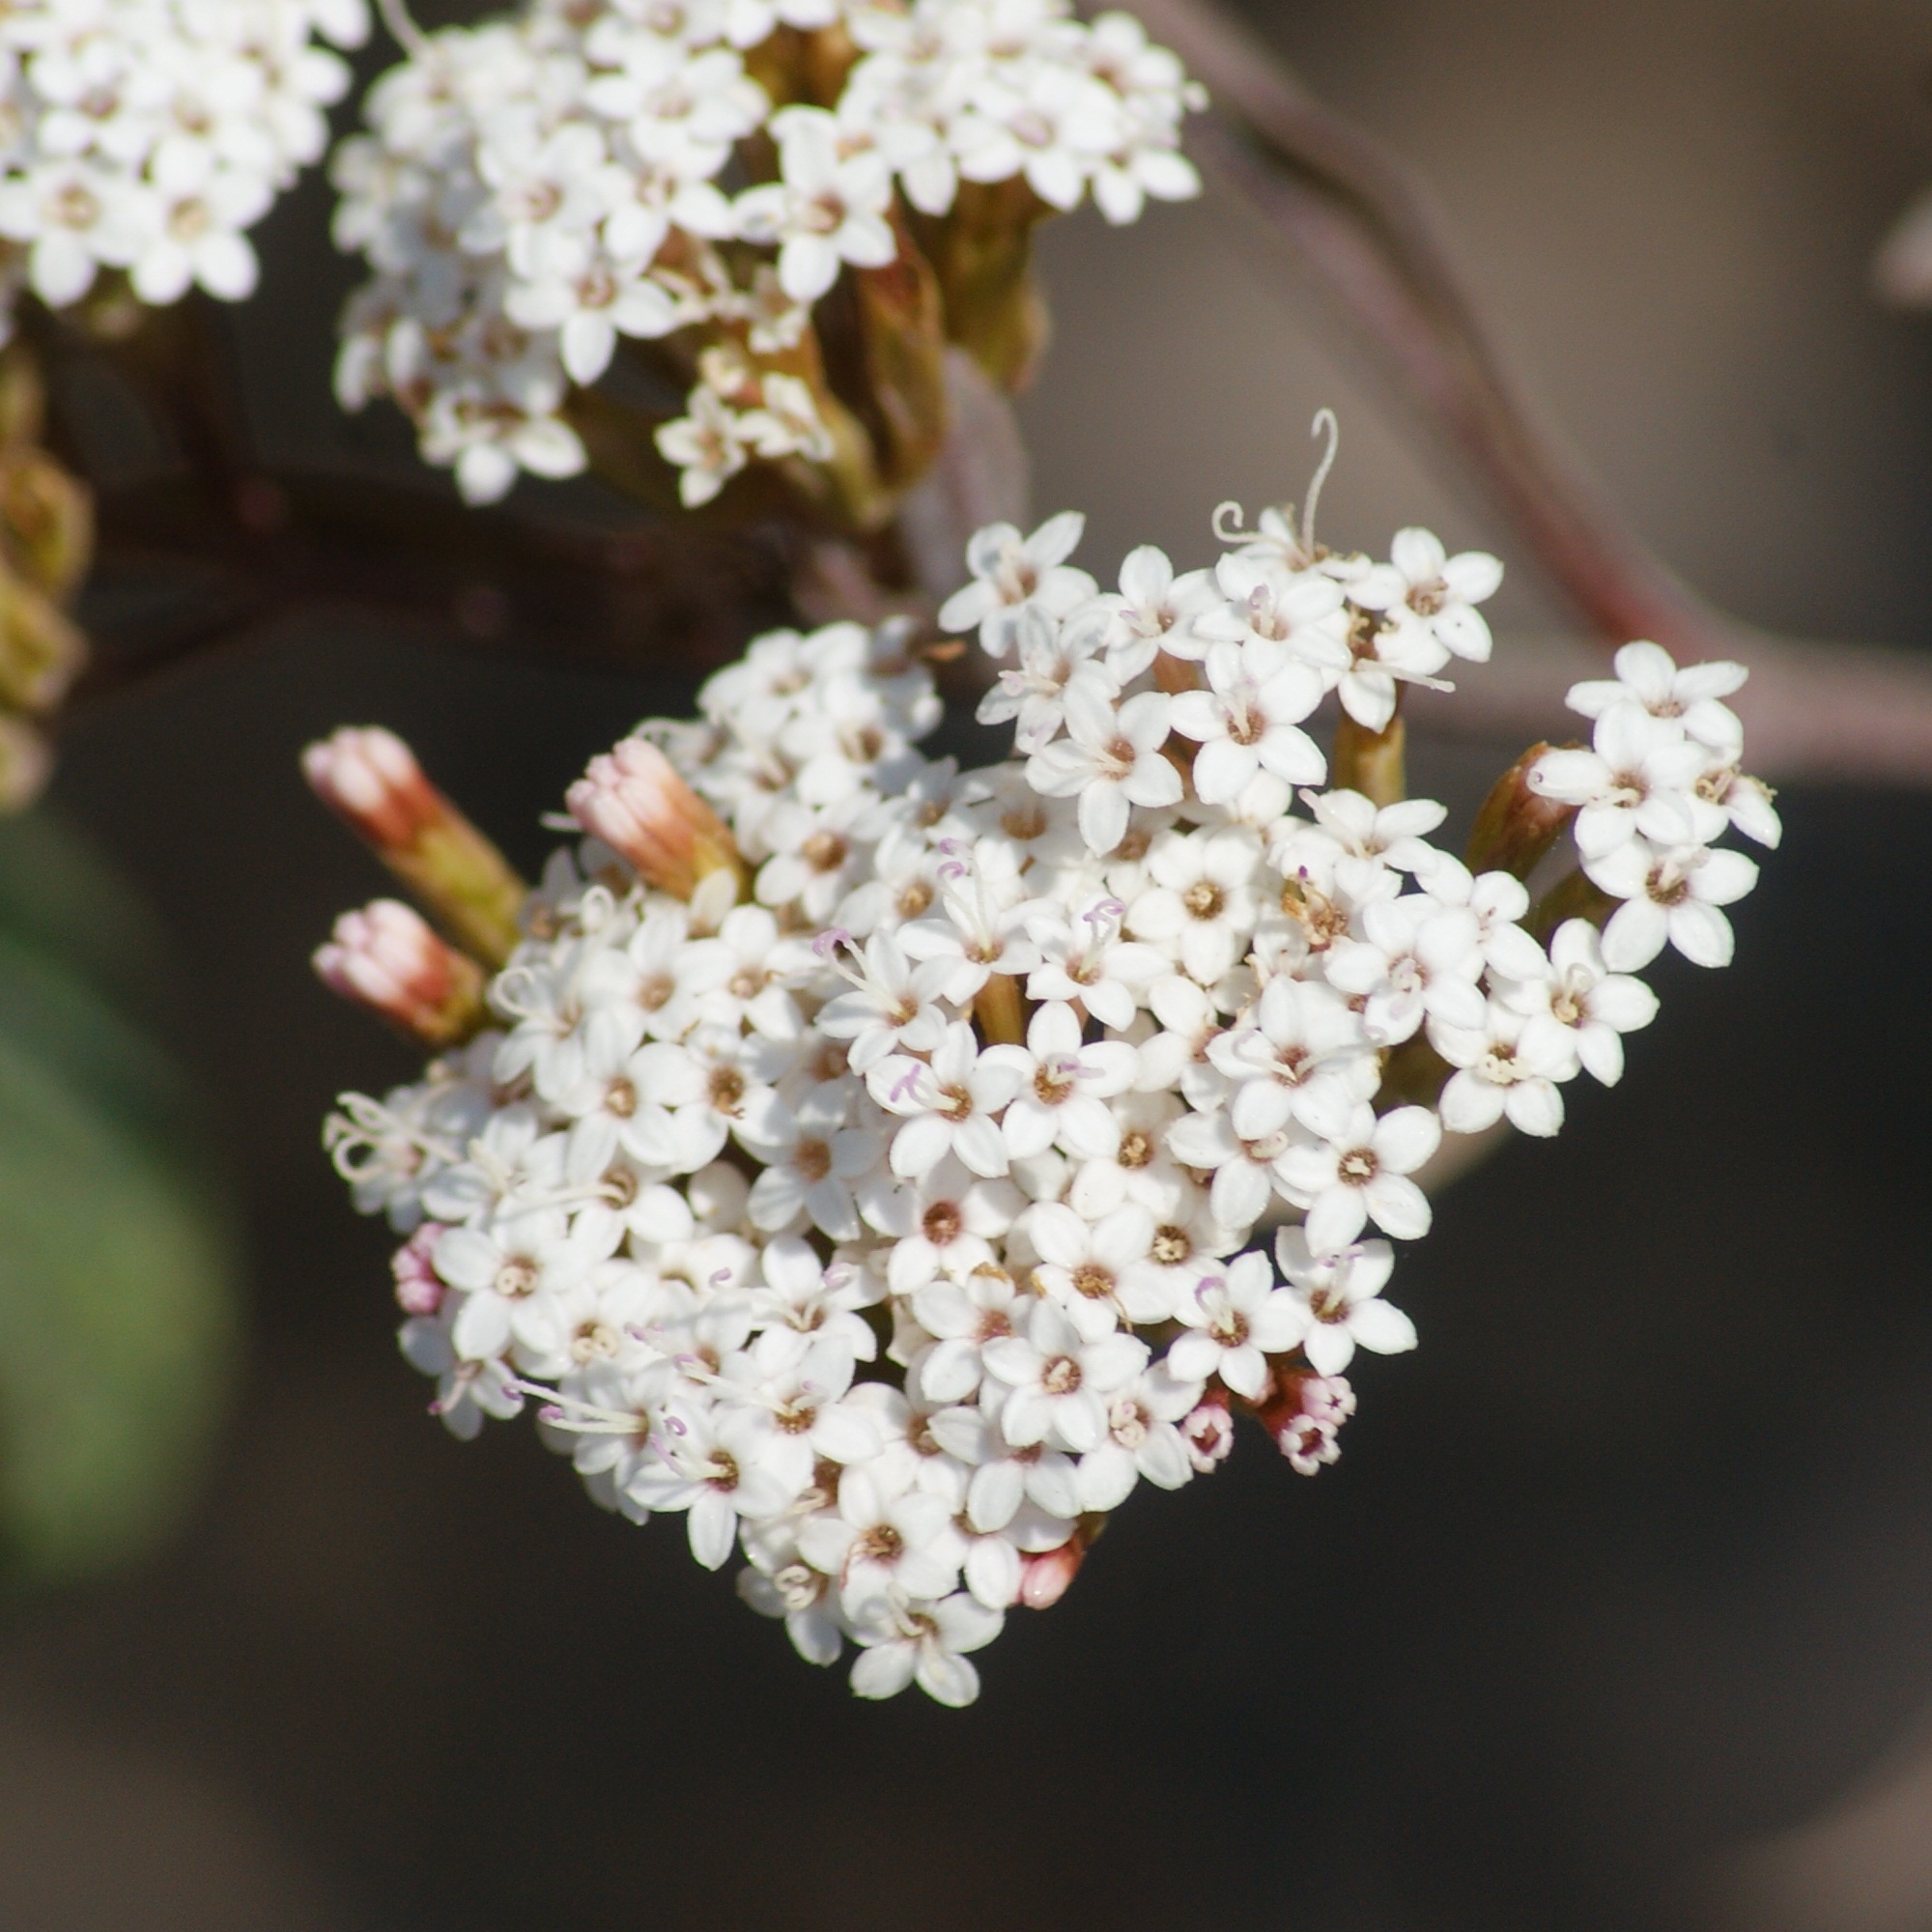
(370, 779)
(1209, 1435)
(632, 799)
(420, 1289)
(1517, 826)
(1044, 1578)
(25, 763)
(1305, 1415)
(384, 957)
(41, 647)
(46, 521)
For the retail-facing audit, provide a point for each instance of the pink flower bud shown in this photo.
(1209, 1435)
(420, 1289)
(1305, 1417)
(632, 799)
(384, 957)
(370, 779)
(1044, 1578)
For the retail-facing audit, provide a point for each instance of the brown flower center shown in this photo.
(823, 851)
(1061, 1375)
(1053, 1082)
(1358, 1166)
(1092, 1282)
(881, 1543)
(1172, 1244)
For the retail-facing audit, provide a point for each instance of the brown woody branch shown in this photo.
(307, 542)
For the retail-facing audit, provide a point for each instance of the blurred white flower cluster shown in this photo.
(150, 135)
(535, 189)
(874, 1162)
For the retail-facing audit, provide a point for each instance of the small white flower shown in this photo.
(926, 1644)
(1506, 1065)
(1440, 591)
(892, 1006)
(1355, 847)
(964, 1317)
(1341, 1294)
(1234, 1320)
(811, 1160)
(1084, 957)
(1362, 1175)
(1671, 895)
(1689, 698)
(1640, 778)
(1034, 696)
(1201, 902)
(1010, 574)
(1304, 1058)
(1575, 991)
(1248, 720)
(508, 1271)
(1099, 1272)
(716, 1466)
(828, 210)
(949, 1102)
(1142, 1439)
(1063, 1087)
(1059, 1382)
(878, 1544)
(1418, 959)
(1152, 612)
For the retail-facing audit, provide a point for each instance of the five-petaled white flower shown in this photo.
(1012, 574)
(1362, 1174)
(1341, 1295)
(1236, 1319)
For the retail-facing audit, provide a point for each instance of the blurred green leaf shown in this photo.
(117, 1247)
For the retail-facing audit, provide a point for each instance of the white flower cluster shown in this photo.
(535, 189)
(150, 135)
(890, 1209)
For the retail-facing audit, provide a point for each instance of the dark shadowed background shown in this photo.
(1617, 1612)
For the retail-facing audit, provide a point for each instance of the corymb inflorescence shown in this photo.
(887, 1167)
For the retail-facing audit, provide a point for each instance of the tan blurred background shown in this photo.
(1616, 1615)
